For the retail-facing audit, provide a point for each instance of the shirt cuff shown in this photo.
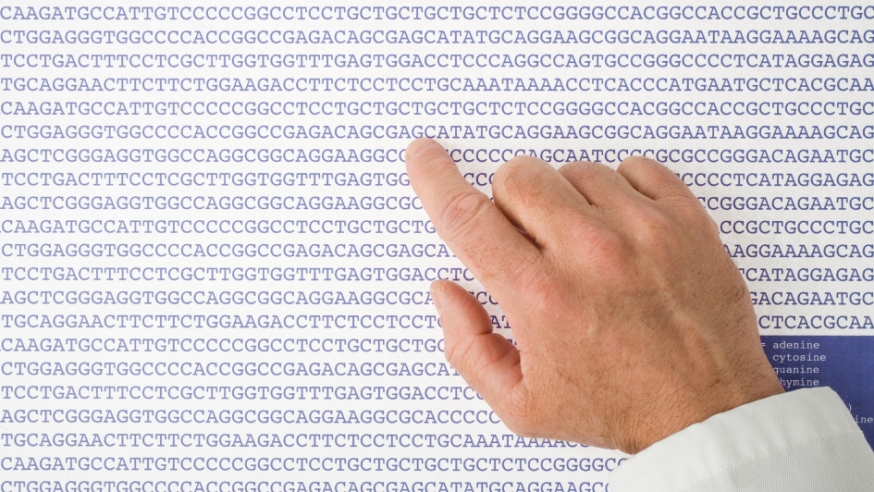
(801, 440)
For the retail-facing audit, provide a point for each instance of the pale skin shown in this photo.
(631, 321)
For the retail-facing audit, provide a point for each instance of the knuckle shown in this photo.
(521, 160)
(657, 233)
(541, 286)
(513, 175)
(600, 244)
(579, 168)
(700, 219)
(590, 174)
(690, 215)
(658, 226)
(690, 209)
(462, 214)
(638, 161)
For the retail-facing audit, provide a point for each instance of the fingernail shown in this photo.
(437, 299)
(423, 148)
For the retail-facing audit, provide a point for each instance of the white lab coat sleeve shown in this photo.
(800, 441)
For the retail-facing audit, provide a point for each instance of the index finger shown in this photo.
(471, 225)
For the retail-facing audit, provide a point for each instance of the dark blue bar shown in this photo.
(844, 363)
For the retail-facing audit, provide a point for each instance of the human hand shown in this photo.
(631, 320)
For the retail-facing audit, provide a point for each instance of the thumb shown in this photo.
(487, 361)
